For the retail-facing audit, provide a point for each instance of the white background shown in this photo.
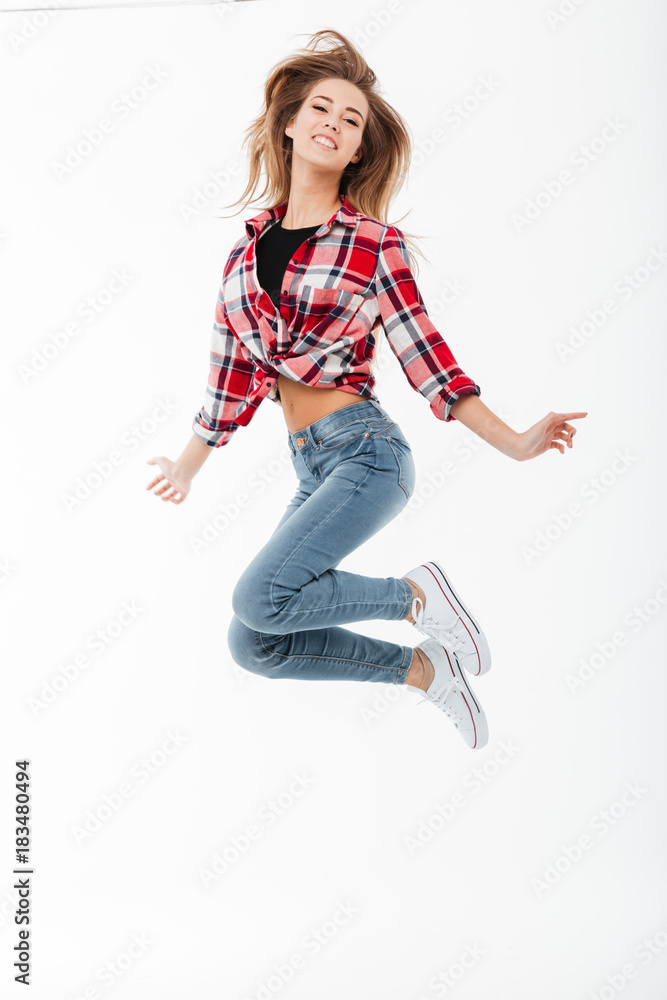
(546, 591)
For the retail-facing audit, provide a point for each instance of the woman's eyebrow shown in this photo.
(322, 97)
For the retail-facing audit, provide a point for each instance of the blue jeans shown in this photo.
(355, 472)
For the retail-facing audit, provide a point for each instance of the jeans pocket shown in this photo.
(380, 426)
(405, 461)
(343, 435)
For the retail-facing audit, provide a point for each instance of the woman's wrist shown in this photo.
(477, 417)
(193, 456)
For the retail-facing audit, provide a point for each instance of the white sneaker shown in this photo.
(446, 618)
(450, 691)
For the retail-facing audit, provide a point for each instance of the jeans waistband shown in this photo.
(337, 418)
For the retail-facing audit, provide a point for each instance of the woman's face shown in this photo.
(335, 110)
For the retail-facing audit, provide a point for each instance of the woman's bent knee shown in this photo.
(246, 649)
(242, 642)
(251, 602)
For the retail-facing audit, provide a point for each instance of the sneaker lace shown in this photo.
(439, 698)
(444, 634)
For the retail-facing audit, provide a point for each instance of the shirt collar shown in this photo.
(254, 226)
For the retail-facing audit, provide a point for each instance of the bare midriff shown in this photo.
(302, 404)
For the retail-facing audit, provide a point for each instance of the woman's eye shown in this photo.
(318, 107)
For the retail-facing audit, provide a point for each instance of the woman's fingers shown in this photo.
(170, 492)
(165, 489)
(175, 497)
(167, 486)
(159, 476)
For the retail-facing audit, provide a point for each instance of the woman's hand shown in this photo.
(553, 431)
(176, 480)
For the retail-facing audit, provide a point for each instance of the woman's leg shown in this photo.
(355, 474)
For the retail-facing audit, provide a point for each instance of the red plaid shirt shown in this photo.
(352, 276)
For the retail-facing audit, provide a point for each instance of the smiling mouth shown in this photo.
(323, 145)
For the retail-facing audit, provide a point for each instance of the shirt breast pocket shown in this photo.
(324, 314)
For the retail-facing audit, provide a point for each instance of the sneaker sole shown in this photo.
(455, 602)
(479, 720)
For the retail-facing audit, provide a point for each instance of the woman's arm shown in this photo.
(550, 432)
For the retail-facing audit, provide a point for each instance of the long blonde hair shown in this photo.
(372, 182)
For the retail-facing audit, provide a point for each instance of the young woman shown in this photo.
(302, 297)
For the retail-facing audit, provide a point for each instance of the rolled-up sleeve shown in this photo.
(229, 383)
(428, 363)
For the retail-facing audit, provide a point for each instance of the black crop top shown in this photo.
(274, 250)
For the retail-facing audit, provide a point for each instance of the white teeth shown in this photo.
(324, 142)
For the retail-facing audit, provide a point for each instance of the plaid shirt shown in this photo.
(351, 276)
